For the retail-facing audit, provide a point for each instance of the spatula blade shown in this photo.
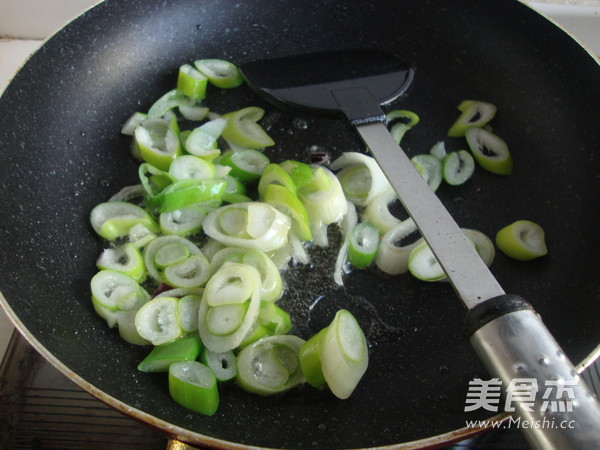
(306, 82)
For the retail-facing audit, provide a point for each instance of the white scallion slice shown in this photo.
(392, 254)
(126, 259)
(347, 225)
(182, 222)
(270, 365)
(220, 73)
(243, 130)
(232, 232)
(483, 245)
(223, 365)
(376, 180)
(157, 321)
(131, 124)
(171, 99)
(458, 167)
(202, 144)
(224, 320)
(224, 327)
(344, 354)
(438, 150)
(172, 253)
(378, 211)
(140, 236)
(155, 246)
(194, 271)
(324, 206)
(186, 167)
(234, 283)
(187, 312)
(194, 113)
(112, 220)
(116, 291)
(433, 169)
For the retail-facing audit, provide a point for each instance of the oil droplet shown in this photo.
(104, 183)
(300, 124)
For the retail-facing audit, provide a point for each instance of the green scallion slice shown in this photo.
(194, 386)
(162, 356)
(220, 73)
(458, 167)
(490, 151)
(523, 240)
(363, 245)
(473, 114)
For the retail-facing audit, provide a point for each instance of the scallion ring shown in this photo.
(523, 240)
(490, 151)
(220, 73)
(194, 386)
(458, 167)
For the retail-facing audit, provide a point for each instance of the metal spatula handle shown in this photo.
(511, 340)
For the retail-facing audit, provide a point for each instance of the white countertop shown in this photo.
(24, 24)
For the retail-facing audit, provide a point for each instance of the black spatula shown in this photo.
(508, 335)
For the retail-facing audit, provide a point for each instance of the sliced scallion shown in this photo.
(270, 365)
(131, 124)
(194, 386)
(363, 245)
(223, 365)
(158, 142)
(523, 240)
(220, 73)
(191, 82)
(187, 167)
(246, 165)
(112, 220)
(458, 167)
(490, 151)
(126, 259)
(274, 224)
(432, 169)
(187, 312)
(242, 128)
(286, 201)
(224, 326)
(159, 359)
(361, 186)
(399, 122)
(157, 321)
(473, 114)
(343, 354)
(182, 222)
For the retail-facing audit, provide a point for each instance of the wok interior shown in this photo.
(63, 154)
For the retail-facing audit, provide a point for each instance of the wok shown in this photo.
(62, 153)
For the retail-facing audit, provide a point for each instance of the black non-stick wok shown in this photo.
(62, 153)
